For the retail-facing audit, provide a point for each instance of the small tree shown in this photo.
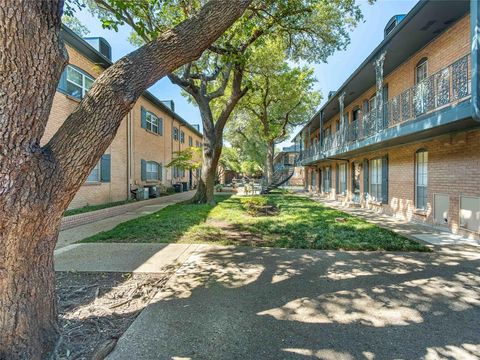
(188, 159)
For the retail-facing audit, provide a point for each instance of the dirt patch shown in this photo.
(95, 309)
(236, 235)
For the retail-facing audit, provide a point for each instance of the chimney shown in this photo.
(170, 104)
(101, 45)
(392, 24)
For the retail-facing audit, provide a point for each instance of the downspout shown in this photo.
(129, 153)
(475, 56)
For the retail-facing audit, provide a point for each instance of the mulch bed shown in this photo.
(95, 309)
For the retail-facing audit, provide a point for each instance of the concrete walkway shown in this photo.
(254, 303)
(124, 258)
(423, 233)
(78, 233)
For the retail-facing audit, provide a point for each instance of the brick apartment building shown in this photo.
(286, 158)
(146, 139)
(402, 134)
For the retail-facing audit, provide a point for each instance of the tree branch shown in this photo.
(93, 124)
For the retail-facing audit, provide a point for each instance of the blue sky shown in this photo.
(364, 38)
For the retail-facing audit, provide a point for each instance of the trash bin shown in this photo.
(142, 193)
(177, 187)
(185, 186)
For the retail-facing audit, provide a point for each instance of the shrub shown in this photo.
(253, 205)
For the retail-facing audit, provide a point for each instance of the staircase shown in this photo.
(280, 177)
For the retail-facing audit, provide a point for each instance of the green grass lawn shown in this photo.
(89, 208)
(299, 223)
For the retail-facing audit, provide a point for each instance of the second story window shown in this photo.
(75, 82)
(182, 137)
(421, 71)
(151, 122)
(175, 134)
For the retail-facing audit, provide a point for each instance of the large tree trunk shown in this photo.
(206, 184)
(269, 162)
(37, 183)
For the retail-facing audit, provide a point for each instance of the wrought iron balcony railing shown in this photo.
(448, 86)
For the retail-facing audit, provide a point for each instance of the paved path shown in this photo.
(247, 303)
(111, 257)
(78, 233)
(424, 233)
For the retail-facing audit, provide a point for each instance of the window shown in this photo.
(152, 170)
(178, 172)
(182, 137)
(197, 143)
(342, 176)
(376, 179)
(421, 71)
(152, 122)
(76, 82)
(337, 125)
(94, 174)
(421, 179)
(190, 141)
(175, 134)
(313, 178)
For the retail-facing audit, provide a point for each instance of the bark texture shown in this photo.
(269, 162)
(37, 183)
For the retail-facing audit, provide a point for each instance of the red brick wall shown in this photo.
(453, 170)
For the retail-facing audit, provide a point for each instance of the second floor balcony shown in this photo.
(418, 109)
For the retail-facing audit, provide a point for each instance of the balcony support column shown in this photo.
(378, 63)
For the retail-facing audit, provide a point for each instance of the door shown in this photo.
(441, 204)
(355, 182)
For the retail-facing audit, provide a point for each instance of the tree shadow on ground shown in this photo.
(240, 303)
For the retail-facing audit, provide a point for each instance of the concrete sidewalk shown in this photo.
(254, 303)
(423, 233)
(124, 258)
(75, 234)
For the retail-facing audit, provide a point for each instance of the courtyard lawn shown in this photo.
(298, 222)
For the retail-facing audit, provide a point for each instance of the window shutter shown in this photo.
(365, 106)
(337, 179)
(365, 178)
(62, 84)
(160, 126)
(105, 168)
(385, 180)
(143, 117)
(143, 170)
(160, 172)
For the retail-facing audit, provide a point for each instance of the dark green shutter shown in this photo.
(143, 170)
(143, 117)
(62, 84)
(160, 172)
(365, 178)
(385, 180)
(105, 168)
(160, 126)
(337, 179)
